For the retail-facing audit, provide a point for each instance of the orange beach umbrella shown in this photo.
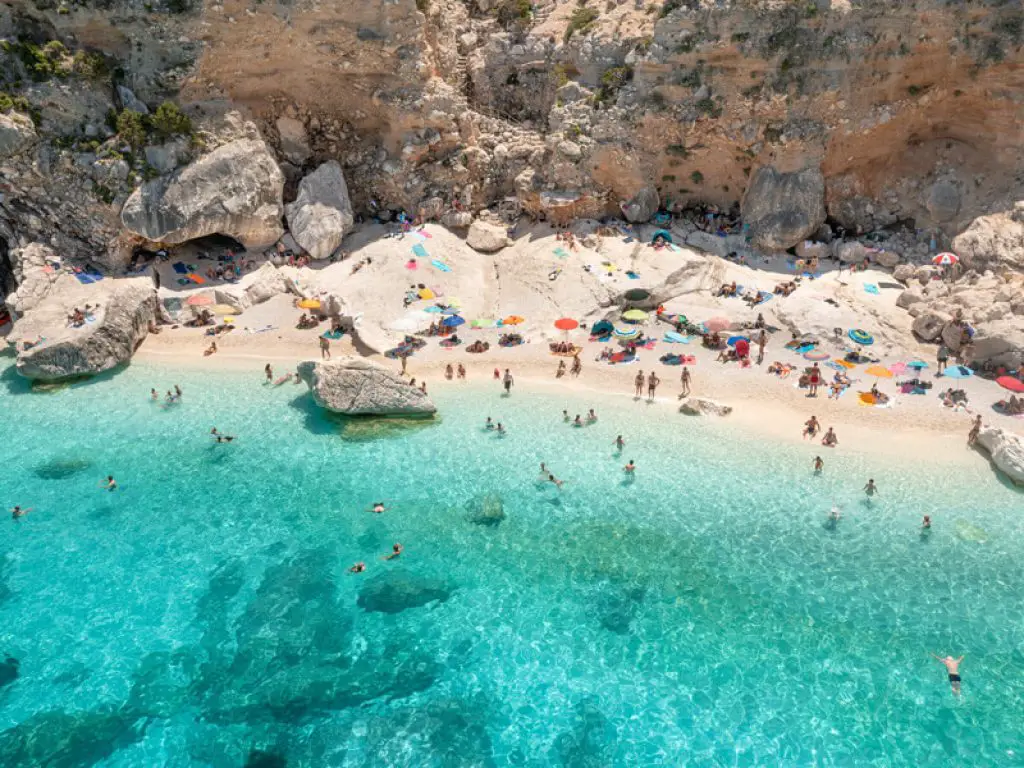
(513, 320)
(566, 324)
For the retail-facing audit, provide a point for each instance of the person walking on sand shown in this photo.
(652, 384)
(811, 427)
(762, 342)
(972, 436)
(561, 369)
(269, 373)
(449, 372)
(942, 358)
(684, 379)
(871, 489)
(577, 366)
(952, 669)
(461, 371)
(638, 385)
(814, 380)
(819, 465)
(325, 348)
(405, 363)
(508, 381)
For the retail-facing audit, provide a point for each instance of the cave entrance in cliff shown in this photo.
(7, 281)
(215, 245)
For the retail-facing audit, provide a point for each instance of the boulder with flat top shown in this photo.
(358, 387)
(1006, 450)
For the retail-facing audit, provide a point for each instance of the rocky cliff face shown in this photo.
(907, 110)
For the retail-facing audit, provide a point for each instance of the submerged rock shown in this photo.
(486, 510)
(236, 190)
(397, 591)
(8, 671)
(354, 386)
(61, 739)
(61, 469)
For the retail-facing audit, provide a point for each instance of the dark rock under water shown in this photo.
(397, 591)
(61, 469)
(8, 671)
(486, 510)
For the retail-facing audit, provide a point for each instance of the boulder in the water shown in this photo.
(8, 671)
(487, 510)
(61, 469)
(397, 591)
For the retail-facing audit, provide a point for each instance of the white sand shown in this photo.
(516, 281)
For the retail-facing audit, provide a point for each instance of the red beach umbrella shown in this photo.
(199, 300)
(945, 259)
(566, 324)
(1011, 383)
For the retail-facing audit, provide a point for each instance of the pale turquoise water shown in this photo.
(703, 615)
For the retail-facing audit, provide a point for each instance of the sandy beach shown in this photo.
(588, 287)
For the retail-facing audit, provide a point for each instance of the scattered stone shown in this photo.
(928, 325)
(457, 219)
(16, 134)
(294, 142)
(355, 386)
(168, 156)
(130, 101)
(322, 214)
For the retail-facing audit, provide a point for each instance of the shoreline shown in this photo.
(776, 412)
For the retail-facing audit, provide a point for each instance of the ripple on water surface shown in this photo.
(703, 613)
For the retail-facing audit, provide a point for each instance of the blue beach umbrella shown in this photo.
(450, 311)
(627, 333)
(918, 364)
(957, 372)
(434, 309)
(453, 321)
(733, 339)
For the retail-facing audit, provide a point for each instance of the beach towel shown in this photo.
(763, 297)
(871, 288)
(195, 278)
(420, 251)
(180, 268)
(804, 348)
(424, 233)
(632, 275)
(84, 279)
(676, 338)
(411, 264)
(441, 265)
(418, 235)
(627, 239)
(560, 252)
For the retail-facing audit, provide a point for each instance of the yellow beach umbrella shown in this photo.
(635, 315)
(845, 363)
(879, 371)
(426, 293)
(309, 304)
(513, 320)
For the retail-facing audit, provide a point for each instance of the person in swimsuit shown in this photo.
(378, 507)
(565, 417)
(591, 416)
(500, 429)
(811, 427)
(652, 384)
(489, 425)
(814, 380)
(17, 512)
(836, 514)
(830, 440)
(972, 436)
(449, 372)
(819, 465)
(926, 523)
(953, 669)
(269, 372)
(630, 468)
(871, 489)
(619, 443)
(508, 381)
(110, 483)
(461, 370)
(220, 437)
(577, 422)
(638, 384)
(357, 568)
(153, 394)
(557, 483)
(396, 551)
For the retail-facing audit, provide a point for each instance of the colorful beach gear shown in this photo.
(1011, 383)
(945, 259)
(861, 336)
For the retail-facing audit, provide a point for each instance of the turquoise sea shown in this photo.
(704, 614)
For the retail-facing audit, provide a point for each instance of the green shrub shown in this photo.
(582, 18)
(914, 90)
(91, 65)
(708, 107)
(169, 120)
(697, 177)
(612, 81)
(669, 178)
(131, 128)
(104, 193)
(679, 150)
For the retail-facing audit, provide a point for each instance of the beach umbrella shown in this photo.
(957, 372)
(222, 309)
(816, 357)
(634, 315)
(426, 293)
(861, 337)
(717, 324)
(482, 322)
(566, 324)
(453, 321)
(636, 294)
(513, 320)
(846, 364)
(309, 304)
(1010, 383)
(917, 365)
(899, 368)
(945, 259)
(732, 340)
(199, 300)
(879, 372)
(449, 311)
(627, 333)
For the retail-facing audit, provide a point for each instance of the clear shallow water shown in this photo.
(703, 614)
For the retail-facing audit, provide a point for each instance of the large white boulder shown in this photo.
(850, 251)
(267, 282)
(703, 406)
(928, 325)
(993, 242)
(1000, 343)
(355, 386)
(121, 315)
(784, 209)
(33, 276)
(1006, 451)
(642, 206)
(322, 214)
(294, 142)
(235, 190)
(487, 236)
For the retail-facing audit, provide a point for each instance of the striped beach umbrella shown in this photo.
(945, 259)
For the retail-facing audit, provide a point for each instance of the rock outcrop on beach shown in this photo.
(487, 236)
(783, 209)
(121, 313)
(1006, 450)
(358, 387)
(236, 190)
(322, 213)
(33, 275)
(703, 406)
(994, 242)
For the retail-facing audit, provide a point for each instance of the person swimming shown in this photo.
(154, 395)
(577, 422)
(619, 443)
(836, 514)
(953, 670)
(489, 424)
(500, 429)
(565, 417)
(819, 465)
(630, 468)
(378, 507)
(591, 416)
(110, 483)
(177, 391)
(18, 512)
(871, 489)
(926, 523)
(220, 437)
(396, 551)
(357, 568)
(557, 483)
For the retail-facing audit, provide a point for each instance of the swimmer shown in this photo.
(154, 395)
(926, 523)
(577, 422)
(396, 551)
(836, 514)
(953, 669)
(591, 416)
(819, 465)
(357, 568)
(177, 391)
(500, 429)
(556, 481)
(565, 417)
(17, 512)
(489, 424)
(871, 489)
(619, 443)
(110, 483)
(220, 437)
(269, 372)
(378, 507)
(544, 471)
(630, 468)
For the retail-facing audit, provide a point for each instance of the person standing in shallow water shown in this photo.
(819, 465)
(325, 348)
(638, 385)
(871, 489)
(652, 385)
(508, 381)
(268, 372)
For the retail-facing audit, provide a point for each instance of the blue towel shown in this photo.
(871, 288)
(561, 253)
(84, 279)
(441, 265)
(180, 268)
(420, 251)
